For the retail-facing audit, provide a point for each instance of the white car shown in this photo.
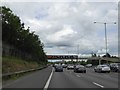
(70, 67)
(89, 65)
(102, 68)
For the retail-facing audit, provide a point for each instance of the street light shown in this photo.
(77, 53)
(105, 31)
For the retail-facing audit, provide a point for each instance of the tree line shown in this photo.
(15, 34)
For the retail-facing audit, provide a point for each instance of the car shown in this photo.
(102, 68)
(64, 65)
(70, 66)
(115, 67)
(80, 68)
(54, 65)
(58, 68)
(89, 65)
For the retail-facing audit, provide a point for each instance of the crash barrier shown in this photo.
(7, 75)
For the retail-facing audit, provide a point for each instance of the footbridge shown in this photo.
(75, 57)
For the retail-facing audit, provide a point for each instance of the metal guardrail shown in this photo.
(20, 72)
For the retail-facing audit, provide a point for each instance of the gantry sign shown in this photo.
(62, 56)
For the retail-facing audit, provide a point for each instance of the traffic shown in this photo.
(84, 76)
(112, 67)
(70, 44)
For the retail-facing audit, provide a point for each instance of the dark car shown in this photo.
(79, 68)
(54, 65)
(102, 68)
(59, 68)
(115, 67)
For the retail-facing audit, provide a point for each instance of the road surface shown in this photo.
(48, 78)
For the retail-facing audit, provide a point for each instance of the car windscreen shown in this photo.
(79, 66)
(104, 66)
(59, 66)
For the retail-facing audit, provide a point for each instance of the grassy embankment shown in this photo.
(12, 64)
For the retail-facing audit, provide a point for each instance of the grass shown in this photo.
(12, 64)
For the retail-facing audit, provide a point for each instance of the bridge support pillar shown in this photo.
(72, 60)
(62, 61)
(77, 59)
(99, 61)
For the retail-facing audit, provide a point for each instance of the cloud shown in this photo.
(63, 26)
(63, 35)
(102, 51)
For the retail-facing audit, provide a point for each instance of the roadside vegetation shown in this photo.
(12, 64)
(21, 49)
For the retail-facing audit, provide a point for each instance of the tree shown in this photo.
(93, 54)
(14, 33)
(10, 26)
(107, 55)
(83, 63)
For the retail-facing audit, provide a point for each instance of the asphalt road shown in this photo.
(91, 79)
(36, 79)
(67, 79)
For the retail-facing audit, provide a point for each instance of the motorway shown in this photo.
(48, 78)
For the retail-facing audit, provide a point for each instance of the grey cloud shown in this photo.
(49, 19)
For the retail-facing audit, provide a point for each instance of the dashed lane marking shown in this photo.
(98, 84)
(78, 75)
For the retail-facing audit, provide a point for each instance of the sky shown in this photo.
(68, 27)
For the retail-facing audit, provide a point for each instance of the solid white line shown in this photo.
(98, 84)
(78, 76)
(48, 82)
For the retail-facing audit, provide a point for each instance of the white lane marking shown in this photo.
(48, 82)
(98, 84)
(78, 75)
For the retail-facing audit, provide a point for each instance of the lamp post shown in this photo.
(77, 53)
(105, 24)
